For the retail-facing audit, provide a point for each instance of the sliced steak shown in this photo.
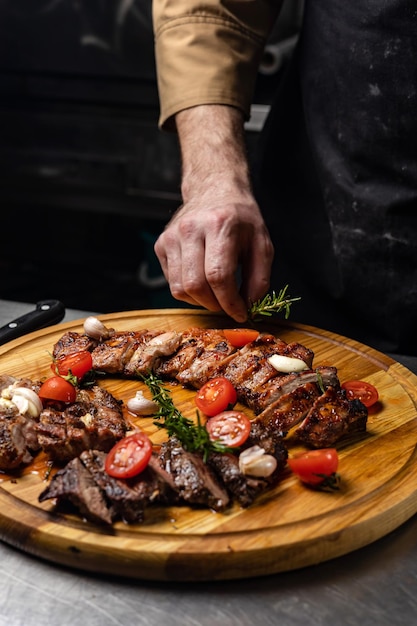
(16, 434)
(111, 355)
(94, 421)
(289, 409)
(72, 342)
(148, 354)
(128, 498)
(199, 354)
(331, 418)
(194, 480)
(244, 489)
(260, 398)
(75, 484)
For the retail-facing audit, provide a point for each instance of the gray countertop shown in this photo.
(376, 585)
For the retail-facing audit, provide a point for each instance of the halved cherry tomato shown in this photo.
(216, 395)
(239, 337)
(316, 467)
(78, 364)
(129, 456)
(361, 390)
(231, 428)
(57, 389)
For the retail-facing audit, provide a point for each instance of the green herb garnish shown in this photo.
(193, 437)
(272, 303)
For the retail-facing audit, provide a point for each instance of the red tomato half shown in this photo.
(78, 364)
(57, 389)
(215, 396)
(361, 390)
(231, 428)
(239, 337)
(129, 456)
(316, 467)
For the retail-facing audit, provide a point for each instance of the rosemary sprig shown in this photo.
(272, 303)
(193, 437)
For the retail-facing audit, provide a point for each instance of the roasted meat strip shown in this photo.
(95, 420)
(194, 480)
(200, 353)
(331, 418)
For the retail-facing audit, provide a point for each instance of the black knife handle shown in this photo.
(47, 312)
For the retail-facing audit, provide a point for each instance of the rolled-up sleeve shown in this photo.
(209, 52)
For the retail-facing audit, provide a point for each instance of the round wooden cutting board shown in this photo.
(286, 528)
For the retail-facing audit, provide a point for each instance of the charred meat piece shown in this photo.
(95, 420)
(16, 433)
(72, 342)
(283, 414)
(199, 354)
(260, 398)
(150, 351)
(194, 480)
(100, 498)
(249, 367)
(110, 356)
(244, 489)
(74, 483)
(127, 498)
(332, 417)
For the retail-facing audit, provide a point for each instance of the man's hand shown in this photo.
(216, 251)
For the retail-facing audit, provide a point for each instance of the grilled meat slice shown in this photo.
(111, 355)
(194, 481)
(16, 432)
(199, 354)
(260, 398)
(331, 418)
(244, 489)
(72, 342)
(100, 498)
(150, 350)
(288, 410)
(95, 420)
(75, 484)
(127, 498)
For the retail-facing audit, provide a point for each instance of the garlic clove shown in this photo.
(139, 405)
(255, 462)
(287, 364)
(27, 401)
(95, 329)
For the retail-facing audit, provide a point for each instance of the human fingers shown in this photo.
(181, 255)
(256, 267)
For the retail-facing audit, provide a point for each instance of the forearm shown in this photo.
(213, 151)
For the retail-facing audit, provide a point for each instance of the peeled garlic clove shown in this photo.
(27, 401)
(95, 329)
(255, 462)
(287, 364)
(139, 405)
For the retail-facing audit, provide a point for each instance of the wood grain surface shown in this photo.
(286, 528)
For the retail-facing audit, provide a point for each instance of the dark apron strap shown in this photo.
(338, 183)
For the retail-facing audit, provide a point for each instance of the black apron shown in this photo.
(337, 178)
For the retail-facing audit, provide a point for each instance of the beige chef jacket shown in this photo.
(209, 52)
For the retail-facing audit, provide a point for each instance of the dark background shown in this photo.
(87, 180)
